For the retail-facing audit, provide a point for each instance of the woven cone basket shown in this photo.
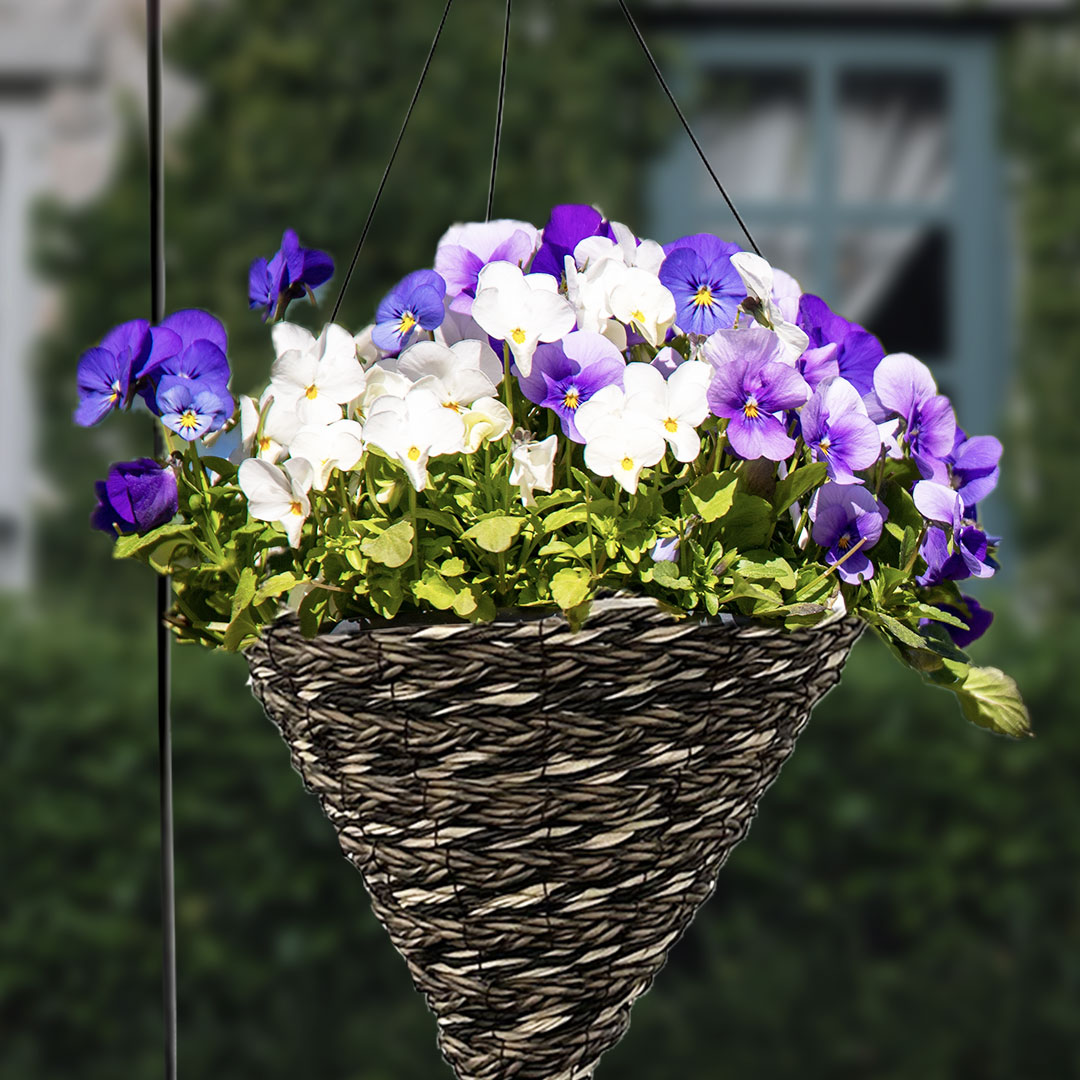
(538, 814)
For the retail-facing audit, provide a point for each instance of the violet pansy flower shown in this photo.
(567, 226)
(837, 430)
(137, 496)
(858, 352)
(905, 387)
(973, 467)
(748, 392)
(706, 287)
(415, 301)
(465, 250)
(287, 275)
(969, 553)
(568, 373)
(978, 621)
(193, 411)
(846, 516)
(105, 372)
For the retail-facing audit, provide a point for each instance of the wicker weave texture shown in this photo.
(538, 814)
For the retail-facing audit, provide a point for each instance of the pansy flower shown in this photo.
(969, 553)
(567, 373)
(314, 377)
(416, 301)
(465, 250)
(567, 226)
(137, 496)
(758, 278)
(105, 372)
(278, 494)
(188, 348)
(837, 430)
(287, 275)
(413, 429)
(906, 389)
(706, 287)
(977, 618)
(847, 517)
(858, 352)
(974, 467)
(533, 467)
(191, 411)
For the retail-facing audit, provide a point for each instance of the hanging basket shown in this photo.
(538, 813)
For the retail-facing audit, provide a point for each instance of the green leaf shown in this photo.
(900, 631)
(748, 524)
(796, 484)
(567, 516)
(764, 565)
(244, 591)
(126, 546)
(454, 567)
(436, 590)
(570, 587)
(495, 533)
(928, 611)
(393, 547)
(711, 497)
(667, 574)
(990, 698)
(239, 631)
(275, 586)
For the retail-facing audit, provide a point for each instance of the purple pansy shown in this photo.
(818, 364)
(105, 372)
(906, 389)
(290, 273)
(844, 516)
(969, 553)
(415, 301)
(978, 621)
(465, 250)
(137, 496)
(565, 374)
(567, 226)
(974, 467)
(858, 352)
(747, 391)
(837, 430)
(707, 288)
(192, 410)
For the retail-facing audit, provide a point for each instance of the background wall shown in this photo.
(906, 906)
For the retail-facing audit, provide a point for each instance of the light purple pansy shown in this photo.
(858, 352)
(465, 250)
(846, 516)
(568, 225)
(974, 467)
(906, 389)
(565, 374)
(416, 301)
(837, 430)
(707, 288)
(137, 496)
(968, 554)
(105, 372)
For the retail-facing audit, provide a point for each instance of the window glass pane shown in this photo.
(755, 130)
(893, 137)
(895, 282)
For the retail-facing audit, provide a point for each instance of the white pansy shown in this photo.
(487, 420)
(319, 378)
(380, 383)
(278, 494)
(413, 429)
(279, 425)
(621, 449)
(641, 301)
(607, 405)
(457, 326)
(533, 467)
(758, 277)
(676, 405)
(521, 309)
(589, 290)
(338, 446)
(367, 352)
(647, 255)
(457, 375)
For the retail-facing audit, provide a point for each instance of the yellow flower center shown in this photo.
(671, 424)
(571, 399)
(627, 464)
(408, 321)
(638, 315)
(414, 453)
(844, 542)
(296, 508)
(453, 406)
(823, 446)
(264, 443)
(189, 420)
(750, 410)
(703, 297)
(312, 392)
(518, 335)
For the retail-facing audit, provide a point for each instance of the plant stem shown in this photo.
(589, 526)
(416, 531)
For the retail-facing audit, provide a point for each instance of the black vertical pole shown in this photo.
(164, 668)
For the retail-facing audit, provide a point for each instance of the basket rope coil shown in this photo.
(537, 813)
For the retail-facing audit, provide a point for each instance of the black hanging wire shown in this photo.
(390, 163)
(499, 113)
(678, 112)
(164, 663)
